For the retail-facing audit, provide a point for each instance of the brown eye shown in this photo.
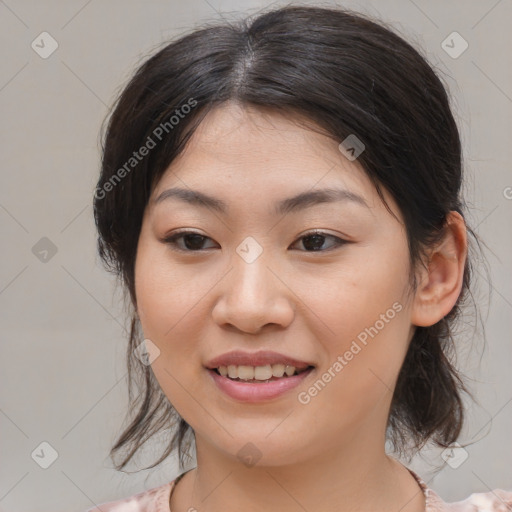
(313, 242)
(193, 242)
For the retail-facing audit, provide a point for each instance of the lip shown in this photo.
(257, 392)
(262, 358)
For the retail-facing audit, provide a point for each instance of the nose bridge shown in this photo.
(250, 280)
(252, 296)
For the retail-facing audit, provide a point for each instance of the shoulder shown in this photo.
(155, 499)
(497, 500)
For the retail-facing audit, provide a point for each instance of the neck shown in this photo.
(346, 480)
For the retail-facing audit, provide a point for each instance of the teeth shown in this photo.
(257, 372)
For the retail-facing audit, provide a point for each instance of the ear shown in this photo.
(440, 286)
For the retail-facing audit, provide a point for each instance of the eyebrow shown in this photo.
(292, 204)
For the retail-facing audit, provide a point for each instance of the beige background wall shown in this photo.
(62, 339)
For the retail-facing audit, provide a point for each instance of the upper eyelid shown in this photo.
(185, 231)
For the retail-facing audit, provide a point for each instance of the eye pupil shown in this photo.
(195, 238)
(317, 244)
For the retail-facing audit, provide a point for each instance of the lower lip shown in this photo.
(257, 392)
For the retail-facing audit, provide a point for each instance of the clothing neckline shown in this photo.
(427, 492)
(169, 489)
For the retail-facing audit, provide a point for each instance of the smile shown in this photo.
(257, 389)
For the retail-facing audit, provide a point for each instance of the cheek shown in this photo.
(170, 311)
(171, 305)
(345, 299)
(165, 292)
(361, 316)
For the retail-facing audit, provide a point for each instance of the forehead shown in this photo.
(232, 138)
(232, 131)
(248, 154)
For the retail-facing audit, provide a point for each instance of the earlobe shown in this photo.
(441, 284)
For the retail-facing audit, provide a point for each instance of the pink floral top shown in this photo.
(157, 500)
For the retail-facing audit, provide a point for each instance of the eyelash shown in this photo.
(171, 240)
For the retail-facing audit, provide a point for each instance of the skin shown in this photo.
(328, 455)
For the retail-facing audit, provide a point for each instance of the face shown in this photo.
(322, 282)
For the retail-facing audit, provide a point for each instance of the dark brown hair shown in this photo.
(345, 73)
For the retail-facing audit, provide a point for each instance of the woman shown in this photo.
(281, 199)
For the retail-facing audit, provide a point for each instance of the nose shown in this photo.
(254, 295)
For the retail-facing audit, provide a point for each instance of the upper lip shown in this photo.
(262, 358)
